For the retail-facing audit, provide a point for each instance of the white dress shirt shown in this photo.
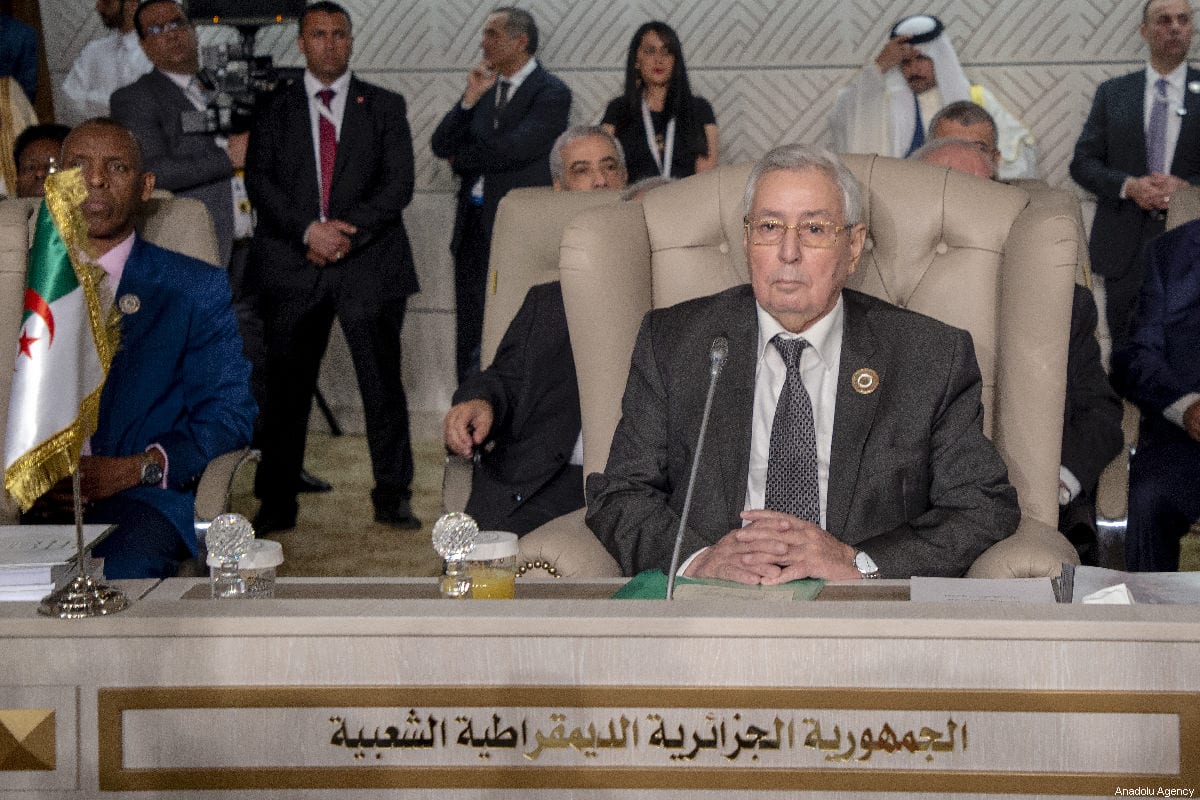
(103, 66)
(819, 374)
(819, 368)
(1176, 86)
(317, 109)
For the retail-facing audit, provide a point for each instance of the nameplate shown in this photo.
(740, 739)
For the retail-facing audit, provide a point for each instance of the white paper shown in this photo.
(35, 545)
(1143, 587)
(1111, 596)
(981, 590)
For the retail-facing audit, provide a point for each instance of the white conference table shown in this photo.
(375, 688)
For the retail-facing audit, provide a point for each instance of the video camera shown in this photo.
(236, 79)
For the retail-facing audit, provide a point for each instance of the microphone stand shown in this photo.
(716, 355)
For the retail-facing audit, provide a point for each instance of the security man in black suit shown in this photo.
(1124, 155)
(330, 170)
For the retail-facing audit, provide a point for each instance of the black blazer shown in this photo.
(514, 153)
(532, 388)
(1111, 148)
(373, 180)
(1092, 434)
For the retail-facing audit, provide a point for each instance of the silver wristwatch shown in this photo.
(866, 566)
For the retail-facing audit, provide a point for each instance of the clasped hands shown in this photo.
(329, 241)
(775, 548)
(1153, 192)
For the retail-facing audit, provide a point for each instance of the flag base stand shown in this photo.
(83, 597)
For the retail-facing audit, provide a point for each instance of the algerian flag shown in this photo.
(64, 349)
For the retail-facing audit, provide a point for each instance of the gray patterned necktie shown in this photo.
(1156, 133)
(792, 485)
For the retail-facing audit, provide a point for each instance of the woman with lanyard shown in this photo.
(664, 128)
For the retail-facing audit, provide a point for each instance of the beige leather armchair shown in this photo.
(177, 223)
(976, 254)
(525, 252)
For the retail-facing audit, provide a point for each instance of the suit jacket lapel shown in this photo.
(733, 404)
(355, 135)
(299, 123)
(855, 412)
(1186, 144)
(518, 101)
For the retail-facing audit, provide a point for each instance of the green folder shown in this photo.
(652, 585)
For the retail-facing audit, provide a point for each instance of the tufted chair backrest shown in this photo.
(973, 253)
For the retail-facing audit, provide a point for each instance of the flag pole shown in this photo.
(82, 597)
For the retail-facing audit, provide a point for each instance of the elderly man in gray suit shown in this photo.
(847, 434)
(194, 165)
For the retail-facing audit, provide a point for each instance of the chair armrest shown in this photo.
(456, 482)
(565, 548)
(216, 484)
(1035, 550)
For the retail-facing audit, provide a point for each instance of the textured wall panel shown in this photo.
(770, 68)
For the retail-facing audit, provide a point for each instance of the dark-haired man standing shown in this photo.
(1141, 142)
(496, 138)
(330, 171)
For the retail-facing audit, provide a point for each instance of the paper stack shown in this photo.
(34, 557)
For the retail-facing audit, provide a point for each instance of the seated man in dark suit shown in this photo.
(1092, 434)
(847, 437)
(1159, 369)
(523, 410)
(178, 391)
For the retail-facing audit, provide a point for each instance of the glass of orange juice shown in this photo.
(492, 565)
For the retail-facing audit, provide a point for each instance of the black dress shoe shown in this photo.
(311, 483)
(397, 514)
(272, 518)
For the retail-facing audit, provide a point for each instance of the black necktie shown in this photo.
(502, 87)
(792, 485)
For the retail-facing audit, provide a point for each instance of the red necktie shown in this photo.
(328, 136)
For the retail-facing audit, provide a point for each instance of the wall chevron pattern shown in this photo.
(771, 69)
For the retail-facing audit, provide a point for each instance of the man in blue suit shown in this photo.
(1141, 142)
(178, 391)
(1160, 371)
(496, 138)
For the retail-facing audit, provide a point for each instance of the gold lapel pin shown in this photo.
(129, 303)
(865, 380)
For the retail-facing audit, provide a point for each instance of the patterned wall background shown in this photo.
(770, 68)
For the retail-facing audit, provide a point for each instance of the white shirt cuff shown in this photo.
(1174, 412)
(690, 559)
(1072, 483)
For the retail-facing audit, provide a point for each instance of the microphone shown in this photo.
(717, 353)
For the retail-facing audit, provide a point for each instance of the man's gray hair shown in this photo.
(797, 157)
(518, 21)
(574, 134)
(965, 113)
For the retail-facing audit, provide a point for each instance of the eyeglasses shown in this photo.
(166, 27)
(813, 233)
